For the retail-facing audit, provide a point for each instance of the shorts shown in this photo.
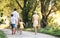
(13, 25)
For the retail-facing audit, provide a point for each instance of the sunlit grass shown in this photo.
(47, 30)
(3, 26)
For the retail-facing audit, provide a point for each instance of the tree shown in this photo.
(27, 7)
(57, 5)
(45, 10)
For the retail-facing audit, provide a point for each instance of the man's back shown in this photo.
(16, 15)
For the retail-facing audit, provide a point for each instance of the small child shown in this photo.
(21, 26)
(13, 23)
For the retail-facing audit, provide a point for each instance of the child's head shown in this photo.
(20, 20)
(11, 15)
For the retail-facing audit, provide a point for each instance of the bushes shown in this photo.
(29, 25)
(48, 30)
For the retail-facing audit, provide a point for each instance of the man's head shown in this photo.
(15, 9)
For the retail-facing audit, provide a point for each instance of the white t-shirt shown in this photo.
(16, 15)
(13, 20)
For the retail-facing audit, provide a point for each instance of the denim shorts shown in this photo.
(13, 25)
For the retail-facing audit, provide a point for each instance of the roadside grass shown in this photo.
(2, 34)
(47, 30)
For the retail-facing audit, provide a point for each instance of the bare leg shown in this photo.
(14, 30)
(35, 28)
(20, 31)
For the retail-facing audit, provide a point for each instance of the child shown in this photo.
(13, 23)
(21, 26)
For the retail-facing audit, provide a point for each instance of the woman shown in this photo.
(35, 20)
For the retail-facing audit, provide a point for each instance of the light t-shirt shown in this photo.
(13, 20)
(16, 15)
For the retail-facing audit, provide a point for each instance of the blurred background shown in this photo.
(48, 11)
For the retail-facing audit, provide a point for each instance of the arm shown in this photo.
(32, 19)
(38, 20)
(9, 21)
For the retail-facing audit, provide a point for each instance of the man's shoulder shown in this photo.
(14, 12)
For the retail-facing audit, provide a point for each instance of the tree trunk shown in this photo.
(44, 10)
(43, 21)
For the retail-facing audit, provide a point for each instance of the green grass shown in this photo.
(47, 30)
(2, 34)
(53, 32)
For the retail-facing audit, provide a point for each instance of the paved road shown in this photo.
(26, 34)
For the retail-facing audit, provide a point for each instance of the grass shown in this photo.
(50, 32)
(2, 34)
(47, 30)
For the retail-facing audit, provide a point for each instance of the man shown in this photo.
(35, 20)
(16, 15)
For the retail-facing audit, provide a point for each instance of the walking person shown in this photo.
(13, 23)
(21, 23)
(16, 15)
(35, 20)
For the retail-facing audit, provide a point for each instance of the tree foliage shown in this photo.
(26, 8)
(45, 10)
